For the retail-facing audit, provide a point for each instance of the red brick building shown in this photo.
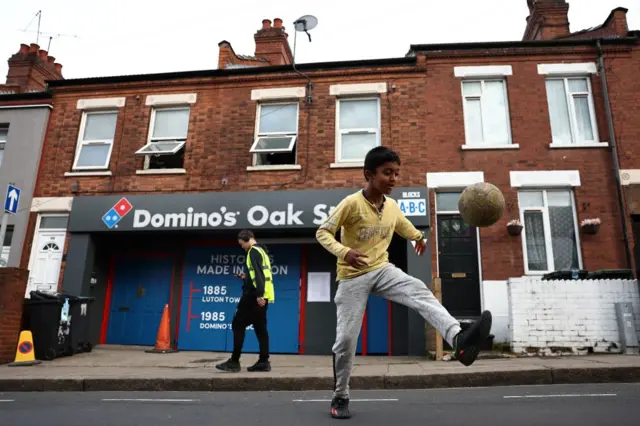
(197, 155)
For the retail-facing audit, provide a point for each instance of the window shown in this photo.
(54, 222)
(571, 111)
(167, 138)
(486, 113)
(95, 140)
(358, 128)
(276, 134)
(447, 202)
(8, 236)
(4, 133)
(550, 230)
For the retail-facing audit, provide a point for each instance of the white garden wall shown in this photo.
(572, 315)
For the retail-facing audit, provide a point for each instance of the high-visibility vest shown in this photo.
(266, 270)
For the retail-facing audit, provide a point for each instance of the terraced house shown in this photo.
(158, 172)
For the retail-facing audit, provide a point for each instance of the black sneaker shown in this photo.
(260, 366)
(229, 366)
(467, 341)
(340, 408)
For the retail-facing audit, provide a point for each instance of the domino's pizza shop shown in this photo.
(135, 254)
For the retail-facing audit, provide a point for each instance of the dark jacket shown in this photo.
(247, 287)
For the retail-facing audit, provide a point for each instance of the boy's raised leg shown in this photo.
(396, 285)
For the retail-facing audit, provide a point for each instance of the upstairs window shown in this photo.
(95, 140)
(358, 128)
(571, 111)
(4, 135)
(167, 139)
(486, 113)
(276, 135)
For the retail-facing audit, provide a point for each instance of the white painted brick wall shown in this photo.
(576, 314)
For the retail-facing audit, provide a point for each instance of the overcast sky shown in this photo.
(116, 37)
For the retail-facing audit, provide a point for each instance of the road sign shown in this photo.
(12, 199)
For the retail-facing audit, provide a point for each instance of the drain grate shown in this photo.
(205, 361)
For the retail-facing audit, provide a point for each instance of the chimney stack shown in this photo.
(272, 43)
(30, 68)
(547, 20)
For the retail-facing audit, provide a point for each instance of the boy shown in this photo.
(368, 220)
(257, 293)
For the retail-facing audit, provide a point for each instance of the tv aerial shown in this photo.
(305, 23)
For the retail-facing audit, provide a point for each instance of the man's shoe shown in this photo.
(229, 366)
(340, 408)
(467, 341)
(260, 366)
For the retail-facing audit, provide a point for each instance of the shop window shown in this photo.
(358, 128)
(167, 139)
(4, 135)
(486, 113)
(95, 140)
(550, 234)
(571, 111)
(276, 135)
(53, 222)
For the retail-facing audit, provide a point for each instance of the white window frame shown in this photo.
(573, 118)
(265, 135)
(365, 130)
(483, 144)
(81, 142)
(546, 223)
(151, 140)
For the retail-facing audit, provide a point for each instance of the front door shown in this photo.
(141, 288)
(458, 266)
(45, 271)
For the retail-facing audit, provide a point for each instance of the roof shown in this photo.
(517, 44)
(26, 96)
(229, 72)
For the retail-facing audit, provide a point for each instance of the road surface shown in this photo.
(574, 405)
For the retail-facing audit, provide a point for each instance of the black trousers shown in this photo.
(250, 313)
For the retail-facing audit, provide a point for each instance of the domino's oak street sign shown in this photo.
(12, 199)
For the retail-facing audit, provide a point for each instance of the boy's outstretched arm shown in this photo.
(405, 228)
(326, 234)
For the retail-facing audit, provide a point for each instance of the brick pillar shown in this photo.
(13, 285)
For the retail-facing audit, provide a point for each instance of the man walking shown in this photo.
(257, 293)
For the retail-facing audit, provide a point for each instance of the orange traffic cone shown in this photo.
(163, 341)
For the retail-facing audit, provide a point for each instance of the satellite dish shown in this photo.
(305, 23)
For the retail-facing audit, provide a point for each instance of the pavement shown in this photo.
(114, 368)
(566, 405)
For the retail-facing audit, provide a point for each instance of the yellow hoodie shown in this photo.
(365, 229)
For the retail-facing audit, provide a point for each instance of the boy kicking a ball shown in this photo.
(367, 220)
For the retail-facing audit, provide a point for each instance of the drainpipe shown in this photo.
(614, 153)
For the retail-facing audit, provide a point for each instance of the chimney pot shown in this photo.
(33, 48)
(58, 68)
(23, 48)
(266, 24)
(43, 55)
(277, 23)
(51, 59)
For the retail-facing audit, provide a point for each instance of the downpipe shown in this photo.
(614, 154)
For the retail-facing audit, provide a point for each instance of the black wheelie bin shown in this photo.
(48, 318)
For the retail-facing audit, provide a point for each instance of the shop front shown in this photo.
(137, 253)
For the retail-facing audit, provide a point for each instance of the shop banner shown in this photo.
(225, 210)
(211, 292)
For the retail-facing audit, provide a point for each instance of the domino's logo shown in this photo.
(116, 213)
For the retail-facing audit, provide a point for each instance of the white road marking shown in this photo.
(352, 400)
(567, 395)
(147, 400)
(7, 400)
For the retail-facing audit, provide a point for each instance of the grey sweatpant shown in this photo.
(391, 283)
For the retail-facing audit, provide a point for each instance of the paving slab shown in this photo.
(132, 369)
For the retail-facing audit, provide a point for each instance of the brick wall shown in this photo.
(13, 284)
(422, 118)
(568, 315)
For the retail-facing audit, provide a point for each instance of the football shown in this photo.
(481, 204)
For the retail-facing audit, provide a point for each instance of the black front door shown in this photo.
(458, 265)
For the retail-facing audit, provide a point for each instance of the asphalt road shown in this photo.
(580, 405)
